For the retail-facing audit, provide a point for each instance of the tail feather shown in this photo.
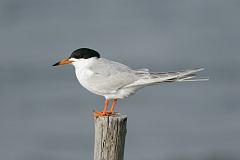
(151, 78)
(177, 76)
(194, 80)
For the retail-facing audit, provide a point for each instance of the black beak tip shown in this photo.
(56, 64)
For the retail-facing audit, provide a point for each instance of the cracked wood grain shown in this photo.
(110, 133)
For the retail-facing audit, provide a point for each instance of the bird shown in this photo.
(115, 80)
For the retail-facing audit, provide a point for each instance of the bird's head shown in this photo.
(78, 55)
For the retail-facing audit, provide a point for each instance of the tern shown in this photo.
(114, 80)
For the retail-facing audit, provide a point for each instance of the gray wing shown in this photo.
(110, 76)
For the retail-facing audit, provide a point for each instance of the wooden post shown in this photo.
(110, 133)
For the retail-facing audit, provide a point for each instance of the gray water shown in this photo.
(46, 115)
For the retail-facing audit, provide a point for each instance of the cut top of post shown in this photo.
(120, 117)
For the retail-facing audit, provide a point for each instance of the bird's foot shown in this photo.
(99, 114)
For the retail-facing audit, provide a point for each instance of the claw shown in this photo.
(100, 114)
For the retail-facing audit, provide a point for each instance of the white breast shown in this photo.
(84, 77)
(84, 74)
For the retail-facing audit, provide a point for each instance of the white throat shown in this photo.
(81, 64)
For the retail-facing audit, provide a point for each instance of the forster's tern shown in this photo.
(114, 80)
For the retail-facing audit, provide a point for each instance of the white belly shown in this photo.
(85, 77)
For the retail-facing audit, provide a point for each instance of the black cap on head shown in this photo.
(84, 53)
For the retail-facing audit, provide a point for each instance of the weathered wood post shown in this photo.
(110, 133)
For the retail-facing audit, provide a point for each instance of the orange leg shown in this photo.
(113, 105)
(104, 112)
(105, 107)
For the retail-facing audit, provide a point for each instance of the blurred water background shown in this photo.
(46, 115)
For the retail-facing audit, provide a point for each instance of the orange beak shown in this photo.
(64, 61)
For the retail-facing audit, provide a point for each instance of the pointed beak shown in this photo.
(62, 62)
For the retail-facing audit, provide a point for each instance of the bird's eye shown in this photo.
(76, 56)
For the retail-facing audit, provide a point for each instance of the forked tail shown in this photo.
(185, 75)
(151, 78)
